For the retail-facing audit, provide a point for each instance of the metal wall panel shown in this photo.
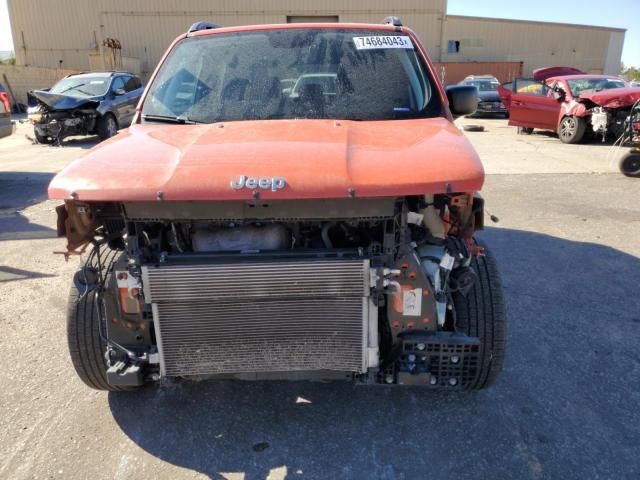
(69, 30)
(454, 72)
(47, 32)
(535, 44)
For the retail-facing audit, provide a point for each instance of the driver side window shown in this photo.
(118, 83)
(528, 86)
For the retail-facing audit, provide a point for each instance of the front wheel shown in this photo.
(630, 164)
(572, 129)
(43, 139)
(86, 347)
(107, 126)
(482, 313)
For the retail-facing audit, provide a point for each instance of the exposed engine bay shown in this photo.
(337, 289)
(59, 124)
(623, 124)
(56, 116)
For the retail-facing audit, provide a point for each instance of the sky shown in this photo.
(612, 13)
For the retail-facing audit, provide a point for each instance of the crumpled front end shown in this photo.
(615, 111)
(345, 289)
(55, 117)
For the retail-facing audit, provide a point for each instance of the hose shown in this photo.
(325, 234)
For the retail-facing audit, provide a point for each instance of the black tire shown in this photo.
(572, 129)
(630, 164)
(482, 313)
(83, 336)
(525, 131)
(43, 139)
(107, 126)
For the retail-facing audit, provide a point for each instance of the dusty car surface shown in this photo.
(85, 104)
(489, 101)
(240, 229)
(570, 103)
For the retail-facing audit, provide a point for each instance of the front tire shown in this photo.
(572, 129)
(482, 313)
(86, 348)
(107, 126)
(630, 164)
(42, 139)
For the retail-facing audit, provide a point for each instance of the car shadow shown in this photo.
(10, 274)
(84, 143)
(565, 400)
(19, 189)
(15, 226)
(587, 140)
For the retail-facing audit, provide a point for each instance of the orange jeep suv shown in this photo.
(290, 202)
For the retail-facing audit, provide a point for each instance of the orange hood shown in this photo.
(316, 159)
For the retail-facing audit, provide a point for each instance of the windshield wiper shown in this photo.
(167, 118)
(73, 87)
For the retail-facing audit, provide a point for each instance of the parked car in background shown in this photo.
(4, 98)
(571, 103)
(489, 102)
(84, 104)
(6, 125)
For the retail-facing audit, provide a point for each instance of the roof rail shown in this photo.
(395, 21)
(202, 25)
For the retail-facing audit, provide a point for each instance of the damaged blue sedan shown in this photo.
(97, 103)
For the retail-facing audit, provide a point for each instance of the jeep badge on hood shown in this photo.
(275, 183)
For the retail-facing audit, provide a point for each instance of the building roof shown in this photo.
(536, 22)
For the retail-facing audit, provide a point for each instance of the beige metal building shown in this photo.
(71, 34)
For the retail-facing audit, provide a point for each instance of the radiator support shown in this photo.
(262, 315)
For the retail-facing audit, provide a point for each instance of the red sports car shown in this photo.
(573, 103)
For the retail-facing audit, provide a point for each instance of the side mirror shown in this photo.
(119, 91)
(463, 99)
(558, 94)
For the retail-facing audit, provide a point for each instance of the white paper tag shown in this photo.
(412, 302)
(447, 262)
(382, 41)
(126, 280)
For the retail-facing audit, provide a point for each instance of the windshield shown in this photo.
(483, 85)
(582, 85)
(293, 73)
(82, 87)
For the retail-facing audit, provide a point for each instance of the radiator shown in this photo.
(261, 316)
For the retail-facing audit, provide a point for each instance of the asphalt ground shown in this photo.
(564, 407)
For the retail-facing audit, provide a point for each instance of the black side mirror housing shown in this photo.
(463, 99)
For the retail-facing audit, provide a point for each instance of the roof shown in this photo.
(536, 22)
(480, 77)
(293, 26)
(584, 77)
(98, 74)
